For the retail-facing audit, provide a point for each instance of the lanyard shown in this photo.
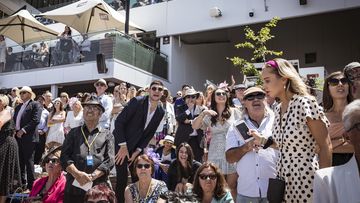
(86, 140)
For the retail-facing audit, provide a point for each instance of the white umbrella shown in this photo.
(89, 16)
(23, 28)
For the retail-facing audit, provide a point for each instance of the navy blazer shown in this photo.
(29, 120)
(185, 129)
(129, 125)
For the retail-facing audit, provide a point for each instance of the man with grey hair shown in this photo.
(342, 183)
(352, 72)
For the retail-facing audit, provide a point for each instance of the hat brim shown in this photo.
(32, 94)
(196, 93)
(48, 153)
(101, 83)
(94, 104)
(161, 142)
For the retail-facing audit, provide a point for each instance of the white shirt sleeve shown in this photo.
(233, 139)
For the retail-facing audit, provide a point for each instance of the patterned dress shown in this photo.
(158, 188)
(218, 141)
(299, 161)
(9, 160)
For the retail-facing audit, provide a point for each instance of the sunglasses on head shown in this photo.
(160, 89)
(191, 96)
(52, 160)
(220, 94)
(335, 81)
(207, 176)
(141, 166)
(251, 97)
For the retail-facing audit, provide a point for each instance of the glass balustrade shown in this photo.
(81, 49)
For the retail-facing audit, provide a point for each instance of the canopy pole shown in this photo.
(127, 10)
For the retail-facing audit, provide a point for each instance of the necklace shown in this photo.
(147, 193)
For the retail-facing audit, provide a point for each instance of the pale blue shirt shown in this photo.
(106, 102)
(43, 121)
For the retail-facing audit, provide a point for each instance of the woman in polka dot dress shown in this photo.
(299, 125)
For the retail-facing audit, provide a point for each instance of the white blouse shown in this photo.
(72, 121)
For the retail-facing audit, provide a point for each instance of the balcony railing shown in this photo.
(61, 51)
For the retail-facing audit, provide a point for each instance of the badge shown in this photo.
(89, 160)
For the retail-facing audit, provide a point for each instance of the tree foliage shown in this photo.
(256, 41)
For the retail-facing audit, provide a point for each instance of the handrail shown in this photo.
(112, 43)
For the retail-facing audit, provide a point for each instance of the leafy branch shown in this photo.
(256, 41)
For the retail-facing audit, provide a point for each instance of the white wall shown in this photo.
(333, 36)
(186, 16)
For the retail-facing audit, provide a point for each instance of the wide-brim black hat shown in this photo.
(56, 150)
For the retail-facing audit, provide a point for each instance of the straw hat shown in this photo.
(29, 90)
(191, 92)
(169, 139)
(102, 81)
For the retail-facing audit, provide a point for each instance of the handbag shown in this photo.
(276, 190)
(276, 187)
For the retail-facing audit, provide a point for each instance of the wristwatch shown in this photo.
(93, 175)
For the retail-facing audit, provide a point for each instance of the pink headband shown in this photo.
(272, 63)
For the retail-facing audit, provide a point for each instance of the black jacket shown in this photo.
(129, 125)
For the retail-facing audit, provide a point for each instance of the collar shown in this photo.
(98, 128)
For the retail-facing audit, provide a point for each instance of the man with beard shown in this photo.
(134, 128)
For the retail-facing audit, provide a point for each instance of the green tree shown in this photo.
(256, 41)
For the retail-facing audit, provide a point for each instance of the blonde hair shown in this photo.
(4, 100)
(286, 70)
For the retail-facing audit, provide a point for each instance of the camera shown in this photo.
(251, 13)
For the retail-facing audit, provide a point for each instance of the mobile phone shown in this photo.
(243, 130)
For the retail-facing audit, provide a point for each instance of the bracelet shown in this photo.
(263, 140)
(268, 143)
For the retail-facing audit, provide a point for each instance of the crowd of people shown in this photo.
(226, 144)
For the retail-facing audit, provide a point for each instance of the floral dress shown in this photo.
(298, 161)
(158, 188)
(218, 141)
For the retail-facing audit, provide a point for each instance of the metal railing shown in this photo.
(77, 49)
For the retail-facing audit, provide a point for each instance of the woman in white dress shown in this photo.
(56, 125)
(219, 119)
(118, 105)
(74, 118)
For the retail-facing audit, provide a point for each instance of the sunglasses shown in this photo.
(220, 94)
(191, 96)
(141, 166)
(207, 176)
(160, 89)
(100, 201)
(251, 97)
(100, 84)
(335, 82)
(23, 92)
(357, 126)
(52, 160)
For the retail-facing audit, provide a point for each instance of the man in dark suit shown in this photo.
(27, 117)
(185, 114)
(134, 128)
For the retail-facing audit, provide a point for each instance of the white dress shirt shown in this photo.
(255, 167)
(338, 184)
